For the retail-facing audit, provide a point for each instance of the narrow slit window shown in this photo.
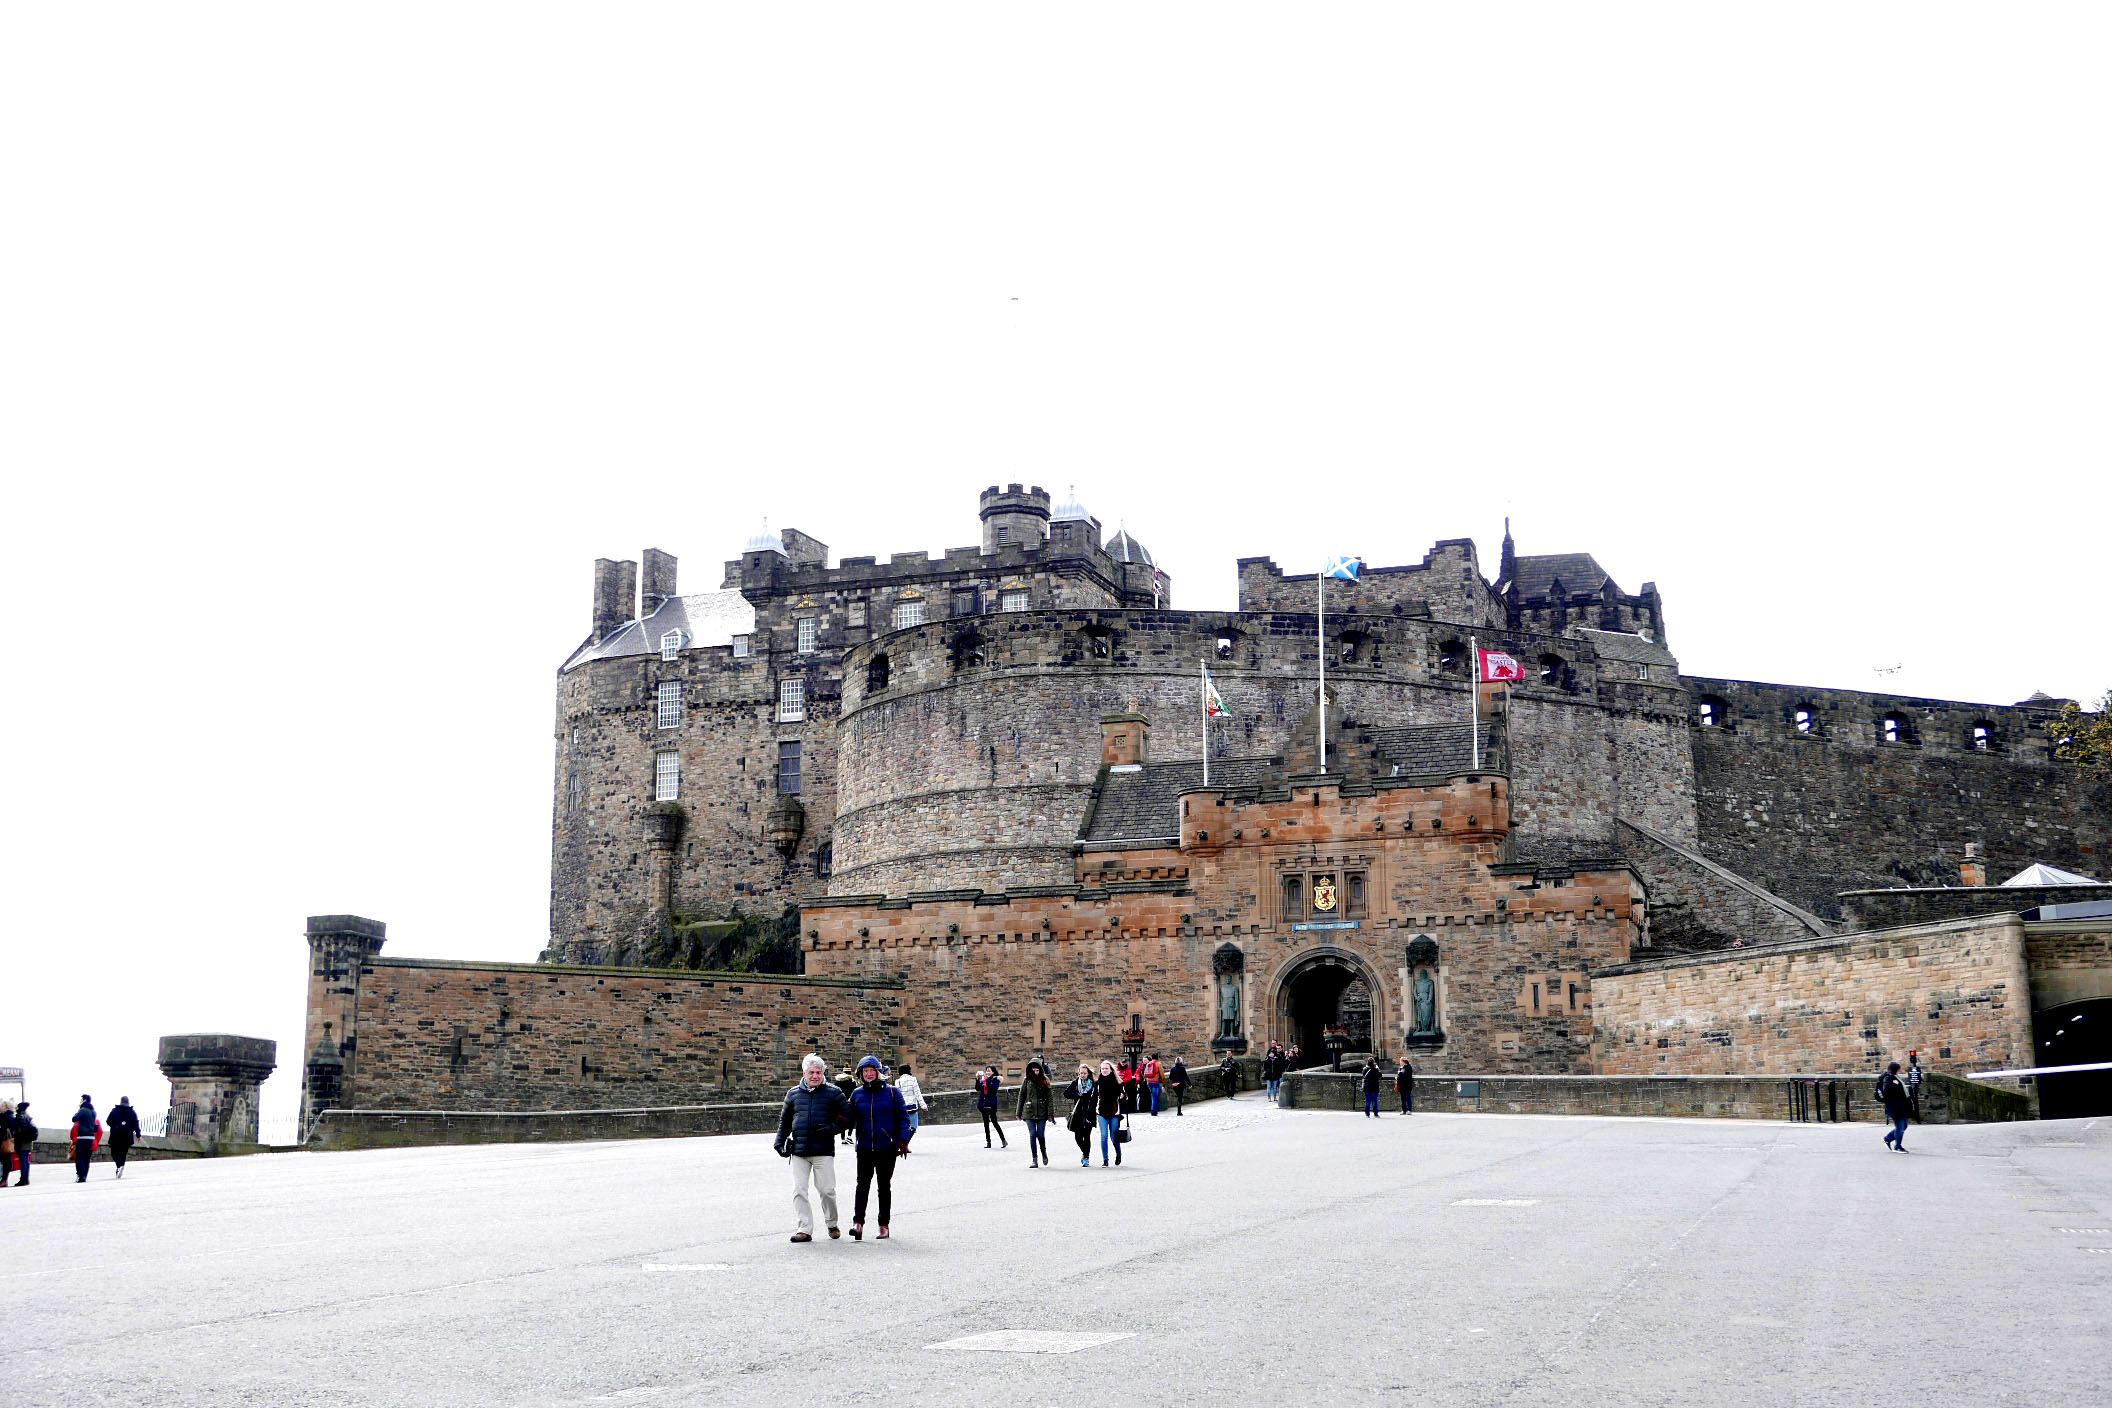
(668, 704)
(667, 777)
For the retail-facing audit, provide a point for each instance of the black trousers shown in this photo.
(83, 1151)
(992, 1122)
(1085, 1139)
(1178, 1092)
(872, 1162)
(1408, 1099)
(120, 1148)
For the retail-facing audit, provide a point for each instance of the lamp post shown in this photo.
(1133, 1042)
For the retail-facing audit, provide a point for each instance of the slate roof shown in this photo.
(1580, 573)
(1145, 805)
(703, 618)
(1625, 645)
(1425, 749)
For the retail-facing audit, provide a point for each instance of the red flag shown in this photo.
(1499, 668)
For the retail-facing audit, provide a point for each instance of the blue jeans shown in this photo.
(912, 1121)
(1108, 1125)
(1899, 1132)
(1371, 1102)
(1038, 1139)
(1272, 1088)
(1158, 1092)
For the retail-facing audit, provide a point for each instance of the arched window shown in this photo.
(1227, 642)
(1452, 656)
(1982, 735)
(1804, 719)
(876, 674)
(1892, 728)
(1551, 669)
(1712, 712)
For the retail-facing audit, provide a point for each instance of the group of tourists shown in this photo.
(18, 1138)
(1275, 1063)
(1375, 1080)
(879, 1117)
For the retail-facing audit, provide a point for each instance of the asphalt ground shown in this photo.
(1249, 1255)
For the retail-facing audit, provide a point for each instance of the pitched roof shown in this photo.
(1145, 805)
(1579, 572)
(1425, 750)
(703, 618)
(1625, 645)
(2046, 875)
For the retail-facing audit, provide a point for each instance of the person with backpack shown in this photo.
(1404, 1086)
(1899, 1105)
(1372, 1081)
(881, 1117)
(1154, 1082)
(1037, 1102)
(124, 1132)
(86, 1136)
(987, 1086)
(815, 1112)
(1084, 1095)
(1228, 1072)
(1177, 1082)
(25, 1142)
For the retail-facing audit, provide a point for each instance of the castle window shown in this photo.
(824, 858)
(1452, 656)
(667, 776)
(1353, 896)
(1293, 897)
(970, 653)
(740, 647)
(876, 674)
(788, 767)
(967, 602)
(1224, 645)
(670, 645)
(1015, 601)
(1551, 669)
(791, 701)
(1892, 729)
(1353, 646)
(668, 703)
(1983, 737)
(857, 613)
(575, 788)
(1712, 712)
(908, 613)
(808, 628)
(1804, 720)
(1099, 641)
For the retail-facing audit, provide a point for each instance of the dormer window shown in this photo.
(671, 645)
(667, 702)
(808, 630)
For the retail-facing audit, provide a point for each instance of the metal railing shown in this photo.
(1819, 1101)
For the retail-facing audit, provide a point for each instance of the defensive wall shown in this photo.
(1886, 909)
(1833, 806)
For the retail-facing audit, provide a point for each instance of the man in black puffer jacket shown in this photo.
(815, 1113)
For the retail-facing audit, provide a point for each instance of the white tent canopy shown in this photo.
(2046, 875)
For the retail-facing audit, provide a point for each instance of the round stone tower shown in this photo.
(1014, 517)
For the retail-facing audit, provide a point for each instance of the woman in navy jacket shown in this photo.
(987, 1086)
(881, 1123)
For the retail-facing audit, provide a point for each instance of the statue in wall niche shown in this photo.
(1425, 1003)
(1228, 1006)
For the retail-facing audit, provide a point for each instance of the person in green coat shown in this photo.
(1037, 1102)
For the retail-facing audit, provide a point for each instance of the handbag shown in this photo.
(1122, 1132)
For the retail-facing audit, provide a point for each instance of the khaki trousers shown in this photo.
(822, 1170)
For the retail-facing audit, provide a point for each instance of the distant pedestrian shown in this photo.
(1898, 1105)
(815, 1113)
(25, 1141)
(987, 1086)
(842, 1081)
(1155, 1082)
(1037, 1102)
(1109, 1111)
(124, 1132)
(1084, 1095)
(1228, 1072)
(881, 1117)
(912, 1093)
(1177, 1082)
(1404, 1086)
(87, 1137)
(1127, 1075)
(1914, 1077)
(1372, 1081)
(7, 1140)
(1272, 1069)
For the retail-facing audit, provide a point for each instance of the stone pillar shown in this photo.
(663, 831)
(213, 1084)
(338, 944)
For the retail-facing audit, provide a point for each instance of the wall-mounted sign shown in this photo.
(1333, 924)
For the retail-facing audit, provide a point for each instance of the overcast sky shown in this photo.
(336, 343)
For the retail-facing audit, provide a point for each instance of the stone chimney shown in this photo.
(1125, 738)
(615, 589)
(658, 582)
(1973, 870)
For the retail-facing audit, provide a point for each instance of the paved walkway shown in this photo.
(1250, 1255)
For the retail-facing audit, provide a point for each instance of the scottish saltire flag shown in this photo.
(1344, 568)
(1213, 703)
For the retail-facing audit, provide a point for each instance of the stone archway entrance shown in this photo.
(1322, 989)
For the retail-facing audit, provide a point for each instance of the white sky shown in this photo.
(335, 343)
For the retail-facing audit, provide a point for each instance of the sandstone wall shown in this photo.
(2071, 961)
(1956, 992)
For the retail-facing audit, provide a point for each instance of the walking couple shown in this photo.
(1096, 1103)
(815, 1113)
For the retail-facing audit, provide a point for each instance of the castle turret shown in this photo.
(1014, 517)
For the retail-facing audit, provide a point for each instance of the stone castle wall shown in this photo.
(1958, 993)
(2071, 961)
(1811, 815)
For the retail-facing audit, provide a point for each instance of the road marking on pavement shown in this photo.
(624, 1395)
(2086, 1231)
(2096, 1251)
(687, 1266)
(1494, 1202)
(1032, 1341)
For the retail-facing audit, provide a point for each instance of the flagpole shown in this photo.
(1474, 696)
(1320, 587)
(1203, 668)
